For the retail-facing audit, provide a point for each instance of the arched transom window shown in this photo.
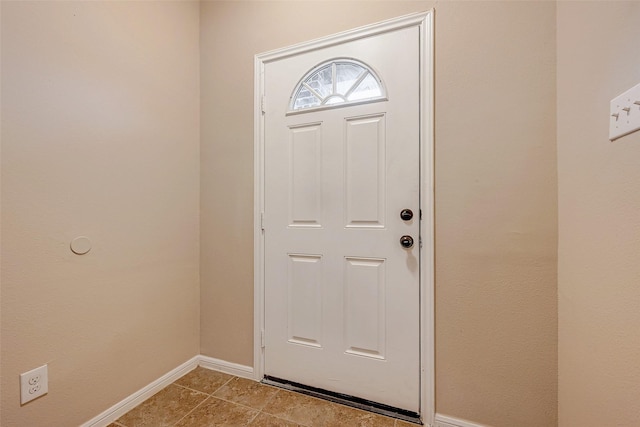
(335, 83)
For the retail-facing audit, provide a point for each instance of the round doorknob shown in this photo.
(406, 214)
(406, 241)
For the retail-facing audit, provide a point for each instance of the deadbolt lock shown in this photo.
(406, 214)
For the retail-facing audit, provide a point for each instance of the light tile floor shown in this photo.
(206, 398)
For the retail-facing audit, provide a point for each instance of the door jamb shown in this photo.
(424, 21)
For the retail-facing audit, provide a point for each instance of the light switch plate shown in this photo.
(625, 113)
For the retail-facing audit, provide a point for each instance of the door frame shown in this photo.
(424, 22)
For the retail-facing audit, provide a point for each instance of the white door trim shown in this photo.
(424, 21)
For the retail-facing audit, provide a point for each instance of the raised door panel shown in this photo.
(305, 175)
(365, 171)
(304, 302)
(365, 303)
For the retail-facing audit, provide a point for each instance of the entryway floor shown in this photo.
(206, 398)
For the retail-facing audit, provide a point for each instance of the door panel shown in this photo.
(365, 168)
(305, 299)
(342, 308)
(365, 307)
(305, 144)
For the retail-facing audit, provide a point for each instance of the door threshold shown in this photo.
(344, 399)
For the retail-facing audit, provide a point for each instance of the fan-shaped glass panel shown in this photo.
(340, 81)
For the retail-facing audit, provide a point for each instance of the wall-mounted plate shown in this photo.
(625, 113)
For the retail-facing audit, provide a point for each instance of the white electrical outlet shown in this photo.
(34, 384)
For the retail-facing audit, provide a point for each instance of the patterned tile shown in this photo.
(400, 423)
(216, 412)
(204, 380)
(206, 398)
(346, 416)
(264, 420)
(246, 392)
(301, 409)
(164, 408)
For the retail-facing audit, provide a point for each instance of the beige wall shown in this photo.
(599, 218)
(100, 137)
(496, 197)
(496, 213)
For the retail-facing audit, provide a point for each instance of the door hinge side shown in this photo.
(262, 221)
(262, 104)
(262, 338)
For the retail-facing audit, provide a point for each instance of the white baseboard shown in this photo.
(236, 369)
(130, 402)
(446, 421)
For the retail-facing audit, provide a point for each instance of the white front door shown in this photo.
(342, 294)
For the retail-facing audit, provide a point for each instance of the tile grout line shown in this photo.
(209, 396)
(281, 390)
(236, 403)
(196, 407)
(219, 388)
(258, 411)
(203, 392)
(241, 404)
(261, 410)
(253, 418)
(190, 389)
